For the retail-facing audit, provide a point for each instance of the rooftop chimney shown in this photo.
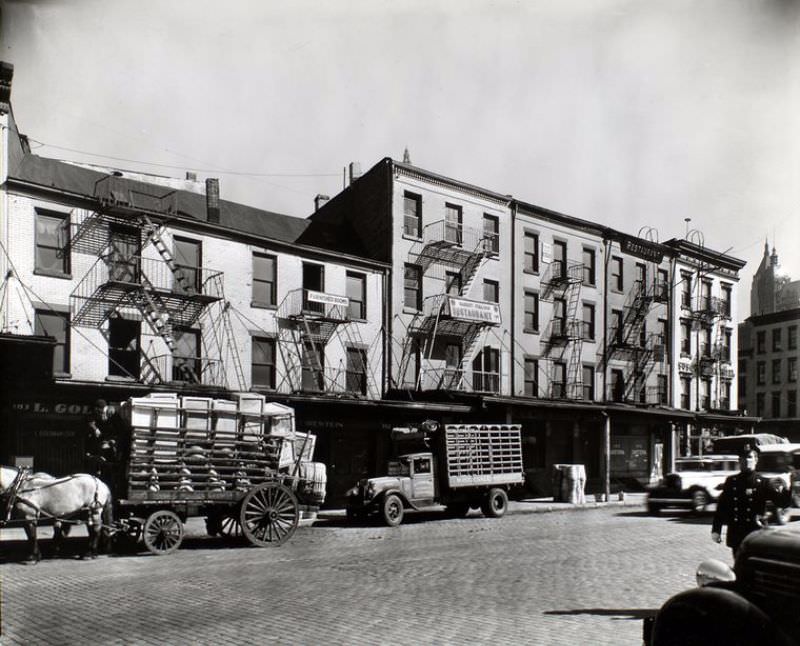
(212, 200)
(192, 177)
(320, 200)
(355, 171)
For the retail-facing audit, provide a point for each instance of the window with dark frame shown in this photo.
(661, 390)
(531, 314)
(412, 214)
(761, 373)
(412, 286)
(188, 265)
(357, 295)
(491, 233)
(776, 371)
(52, 243)
(686, 391)
(760, 401)
(452, 283)
(531, 377)
(588, 383)
(791, 369)
(186, 359)
(588, 321)
(791, 403)
(531, 252)
(264, 279)
(357, 371)
(55, 325)
(616, 326)
(686, 338)
(263, 368)
(491, 291)
(686, 290)
(617, 385)
(777, 339)
(791, 341)
(124, 350)
(776, 404)
(560, 258)
(453, 224)
(588, 266)
(761, 341)
(617, 278)
(558, 387)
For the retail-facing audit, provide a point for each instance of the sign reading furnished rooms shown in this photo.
(481, 311)
(328, 299)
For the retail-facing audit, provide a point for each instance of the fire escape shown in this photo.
(307, 321)
(450, 327)
(629, 341)
(563, 337)
(705, 310)
(123, 282)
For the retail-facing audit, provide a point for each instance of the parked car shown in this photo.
(756, 602)
(696, 482)
(735, 443)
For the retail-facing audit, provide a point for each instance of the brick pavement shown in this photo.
(553, 578)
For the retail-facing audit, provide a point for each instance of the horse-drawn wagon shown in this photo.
(239, 463)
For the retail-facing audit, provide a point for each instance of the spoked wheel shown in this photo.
(163, 532)
(230, 527)
(269, 514)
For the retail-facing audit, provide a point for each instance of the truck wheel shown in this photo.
(495, 503)
(392, 510)
(699, 501)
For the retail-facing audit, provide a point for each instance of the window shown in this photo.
(264, 279)
(705, 346)
(313, 281)
(776, 404)
(559, 317)
(761, 341)
(705, 296)
(452, 366)
(531, 377)
(791, 403)
(616, 326)
(641, 275)
(453, 224)
(56, 325)
(560, 259)
(262, 370)
(686, 290)
(410, 370)
(124, 257)
(588, 321)
(588, 383)
(357, 293)
(313, 367)
(726, 300)
(686, 391)
(588, 266)
(686, 338)
(617, 385)
(617, 279)
(705, 394)
(491, 233)
(52, 238)
(725, 401)
(123, 348)
(761, 372)
(412, 214)
(558, 387)
(661, 337)
(491, 291)
(412, 279)
(531, 320)
(661, 390)
(643, 334)
(776, 339)
(453, 283)
(357, 371)
(186, 356)
(486, 370)
(792, 340)
(776, 371)
(188, 263)
(531, 251)
(791, 369)
(725, 353)
(760, 400)
(661, 287)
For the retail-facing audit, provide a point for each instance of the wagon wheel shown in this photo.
(269, 514)
(230, 527)
(163, 532)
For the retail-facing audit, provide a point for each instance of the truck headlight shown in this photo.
(370, 490)
(352, 493)
(713, 571)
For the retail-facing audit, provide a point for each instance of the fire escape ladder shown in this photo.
(430, 340)
(155, 235)
(469, 271)
(575, 337)
(311, 342)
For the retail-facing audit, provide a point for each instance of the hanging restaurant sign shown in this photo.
(329, 299)
(642, 249)
(480, 311)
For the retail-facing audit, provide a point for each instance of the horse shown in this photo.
(33, 496)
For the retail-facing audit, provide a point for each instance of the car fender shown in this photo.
(714, 615)
(378, 500)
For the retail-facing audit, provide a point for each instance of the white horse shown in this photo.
(33, 496)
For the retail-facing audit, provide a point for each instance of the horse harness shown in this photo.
(13, 497)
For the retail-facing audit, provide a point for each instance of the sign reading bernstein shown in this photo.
(482, 311)
(330, 299)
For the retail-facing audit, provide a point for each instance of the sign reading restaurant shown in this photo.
(329, 299)
(480, 311)
(642, 249)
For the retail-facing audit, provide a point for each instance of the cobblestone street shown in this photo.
(566, 577)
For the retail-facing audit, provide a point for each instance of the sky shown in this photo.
(632, 113)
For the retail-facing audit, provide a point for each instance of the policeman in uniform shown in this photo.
(743, 501)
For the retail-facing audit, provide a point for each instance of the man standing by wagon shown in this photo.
(105, 445)
(743, 501)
